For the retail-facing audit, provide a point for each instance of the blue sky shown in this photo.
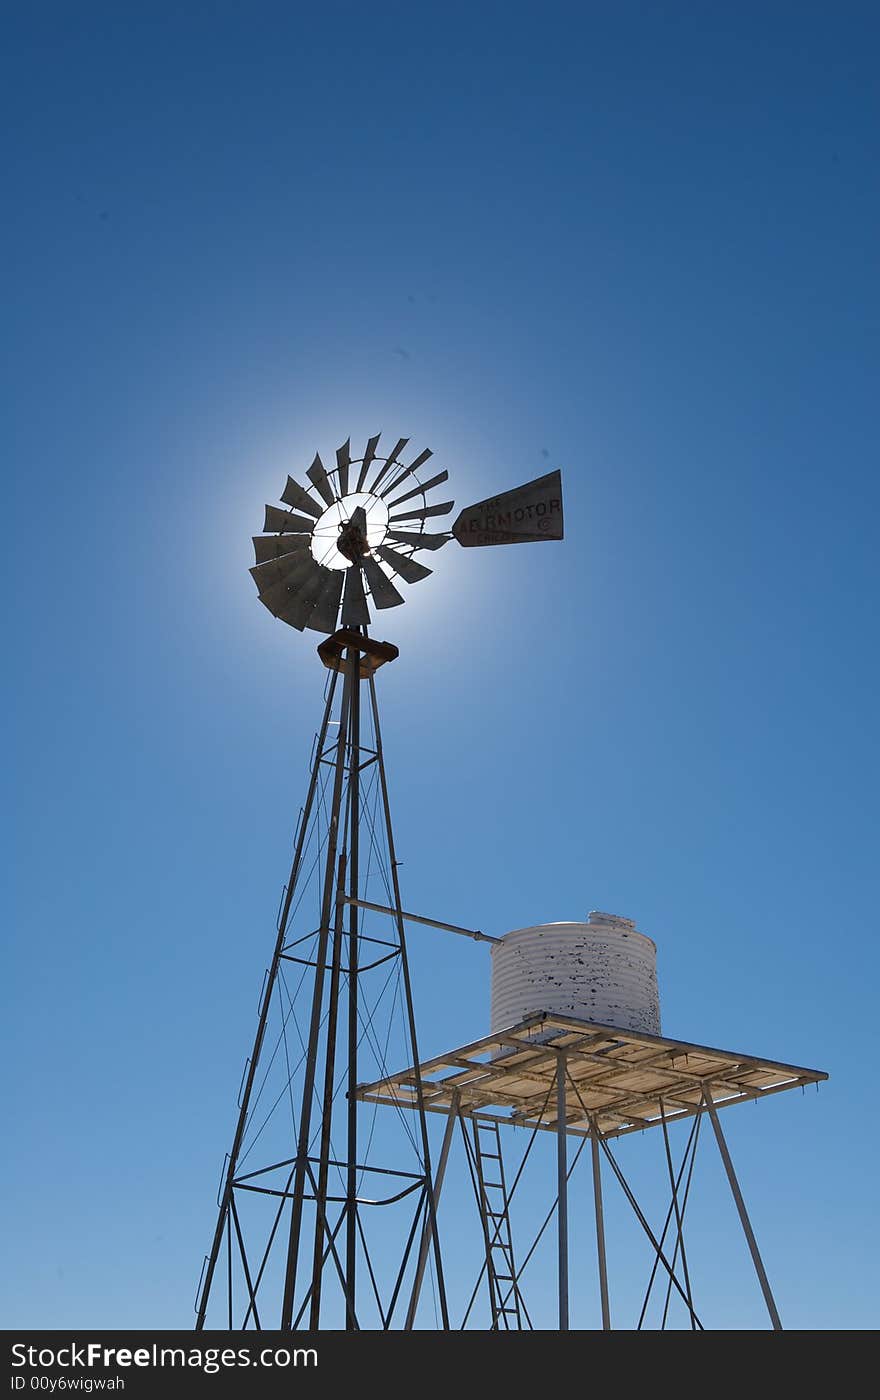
(637, 242)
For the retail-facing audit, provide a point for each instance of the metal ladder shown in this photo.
(500, 1268)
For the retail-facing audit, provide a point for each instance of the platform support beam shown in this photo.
(562, 1189)
(743, 1213)
(600, 1225)
(427, 1232)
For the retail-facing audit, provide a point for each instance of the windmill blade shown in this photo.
(368, 460)
(442, 509)
(418, 541)
(326, 609)
(296, 495)
(274, 546)
(354, 602)
(403, 565)
(285, 520)
(319, 479)
(418, 490)
(290, 570)
(283, 594)
(385, 595)
(276, 598)
(408, 471)
(304, 595)
(389, 463)
(529, 513)
(343, 462)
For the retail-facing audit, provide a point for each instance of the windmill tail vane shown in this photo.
(354, 532)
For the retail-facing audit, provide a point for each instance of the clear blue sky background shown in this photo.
(636, 241)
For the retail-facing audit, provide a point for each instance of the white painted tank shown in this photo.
(603, 970)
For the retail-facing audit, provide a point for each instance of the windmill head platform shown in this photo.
(336, 1204)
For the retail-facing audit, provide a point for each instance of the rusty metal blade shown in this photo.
(408, 471)
(321, 482)
(418, 541)
(390, 463)
(385, 595)
(354, 602)
(527, 514)
(296, 495)
(368, 461)
(274, 546)
(419, 490)
(402, 564)
(326, 609)
(422, 514)
(343, 462)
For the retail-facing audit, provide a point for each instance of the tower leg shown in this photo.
(354, 798)
(223, 1217)
(302, 1153)
(743, 1213)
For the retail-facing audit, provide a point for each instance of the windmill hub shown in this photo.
(349, 529)
(352, 542)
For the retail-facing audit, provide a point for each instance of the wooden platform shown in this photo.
(617, 1078)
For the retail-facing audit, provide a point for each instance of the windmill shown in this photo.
(363, 527)
(292, 1243)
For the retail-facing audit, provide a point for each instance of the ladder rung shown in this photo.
(499, 1184)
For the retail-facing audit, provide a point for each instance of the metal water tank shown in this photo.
(603, 970)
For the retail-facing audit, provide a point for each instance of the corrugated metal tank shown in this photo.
(603, 970)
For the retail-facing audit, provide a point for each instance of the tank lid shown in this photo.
(596, 916)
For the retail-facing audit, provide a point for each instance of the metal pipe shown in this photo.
(600, 1225)
(562, 1191)
(426, 1232)
(419, 919)
(743, 1213)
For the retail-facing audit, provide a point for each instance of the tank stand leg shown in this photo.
(743, 1213)
(562, 1176)
(600, 1225)
(425, 1246)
